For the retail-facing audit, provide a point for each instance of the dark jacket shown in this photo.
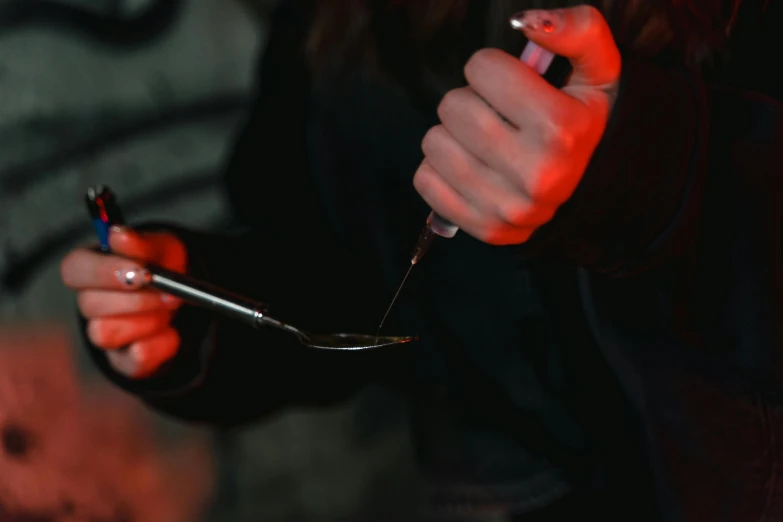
(635, 338)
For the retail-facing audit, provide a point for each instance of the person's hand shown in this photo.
(132, 325)
(511, 148)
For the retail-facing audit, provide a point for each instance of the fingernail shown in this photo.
(116, 229)
(133, 277)
(537, 20)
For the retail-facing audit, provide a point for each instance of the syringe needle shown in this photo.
(422, 245)
(540, 60)
(394, 299)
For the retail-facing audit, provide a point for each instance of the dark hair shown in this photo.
(695, 31)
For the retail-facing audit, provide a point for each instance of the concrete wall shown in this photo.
(152, 114)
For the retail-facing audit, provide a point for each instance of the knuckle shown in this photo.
(494, 235)
(492, 238)
(512, 212)
(422, 180)
(98, 333)
(131, 362)
(482, 234)
(558, 135)
(123, 361)
(148, 357)
(522, 176)
(549, 185)
(560, 116)
(449, 104)
(478, 61)
(142, 354)
(431, 141)
(485, 231)
(485, 147)
(171, 346)
(501, 240)
(473, 63)
(594, 20)
(542, 213)
(513, 236)
(88, 303)
(69, 265)
(592, 13)
(65, 268)
(489, 131)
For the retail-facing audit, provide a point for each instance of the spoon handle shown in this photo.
(105, 212)
(205, 295)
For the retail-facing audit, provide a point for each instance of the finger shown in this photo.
(144, 357)
(103, 303)
(449, 204)
(481, 132)
(153, 247)
(580, 34)
(126, 242)
(516, 91)
(475, 181)
(111, 333)
(479, 129)
(85, 269)
(482, 187)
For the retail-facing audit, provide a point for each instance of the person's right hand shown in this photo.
(132, 325)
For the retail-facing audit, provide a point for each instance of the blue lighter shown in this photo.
(104, 212)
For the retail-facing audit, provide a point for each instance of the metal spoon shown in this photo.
(252, 313)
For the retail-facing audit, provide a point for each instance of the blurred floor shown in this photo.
(75, 452)
(154, 119)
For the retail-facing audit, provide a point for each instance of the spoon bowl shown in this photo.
(252, 313)
(348, 342)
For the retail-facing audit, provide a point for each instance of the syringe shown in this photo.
(436, 226)
(538, 59)
(555, 69)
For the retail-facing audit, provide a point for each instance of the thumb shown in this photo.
(580, 34)
(163, 249)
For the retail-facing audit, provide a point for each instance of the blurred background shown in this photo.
(145, 96)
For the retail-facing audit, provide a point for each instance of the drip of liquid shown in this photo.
(378, 333)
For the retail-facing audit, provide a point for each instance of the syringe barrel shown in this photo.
(442, 226)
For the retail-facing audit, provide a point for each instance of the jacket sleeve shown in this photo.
(675, 160)
(226, 373)
(638, 202)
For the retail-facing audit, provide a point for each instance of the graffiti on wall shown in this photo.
(144, 96)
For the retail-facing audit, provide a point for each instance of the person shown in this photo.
(601, 339)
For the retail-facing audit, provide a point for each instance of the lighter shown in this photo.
(104, 212)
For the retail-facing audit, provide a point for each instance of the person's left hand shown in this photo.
(511, 148)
